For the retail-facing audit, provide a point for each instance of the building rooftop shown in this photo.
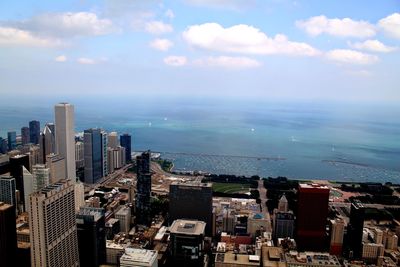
(4, 206)
(293, 258)
(312, 185)
(189, 227)
(139, 256)
(273, 257)
(191, 183)
(238, 259)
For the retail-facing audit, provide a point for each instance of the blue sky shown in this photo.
(270, 49)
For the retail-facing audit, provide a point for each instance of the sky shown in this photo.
(342, 50)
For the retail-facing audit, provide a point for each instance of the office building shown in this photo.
(65, 137)
(113, 139)
(79, 195)
(116, 158)
(355, 229)
(124, 217)
(3, 145)
(28, 187)
(25, 135)
(91, 236)
(283, 224)
(230, 259)
(95, 154)
(283, 205)
(12, 140)
(34, 132)
(7, 190)
(56, 165)
(143, 188)
(15, 168)
(187, 242)
(47, 143)
(337, 233)
(35, 156)
(52, 221)
(126, 142)
(191, 200)
(110, 157)
(79, 155)
(8, 235)
(41, 177)
(257, 223)
(312, 213)
(311, 259)
(134, 257)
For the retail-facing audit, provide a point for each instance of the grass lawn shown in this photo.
(231, 188)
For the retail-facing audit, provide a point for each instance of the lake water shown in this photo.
(346, 142)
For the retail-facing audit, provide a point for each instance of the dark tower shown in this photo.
(312, 213)
(34, 131)
(25, 135)
(355, 229)
(143, 188)
(15, 166)
(126, 142)
(8, 235)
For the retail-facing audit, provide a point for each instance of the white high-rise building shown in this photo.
(79, 195)
(28, 187)
(52, 222)
(65, 137)
(41, 177)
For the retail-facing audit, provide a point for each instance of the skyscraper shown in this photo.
(65, 137)
(16, 164)
(95, 154)
(25, 138)
(7, 190)
(56, 165)
(355, 229)
(46, 142)
(8, 235)
(113, 139)
(28, 187)
(79, 155)
(34, 131)
(143, 188)
(41, 177)
(191, 200)
(52, 222)
(12, 140)
(126, 142)
(312, 213)
(3, 145)
(91, 236)
(337, 233)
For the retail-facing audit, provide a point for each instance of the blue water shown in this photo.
(346, 142)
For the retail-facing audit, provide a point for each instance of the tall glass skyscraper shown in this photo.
(25, 135)
(34, 132)
(12, 140)
(126, 142)
(95, 155)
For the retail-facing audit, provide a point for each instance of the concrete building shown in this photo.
(283, 205)
(124, 217)
(273, 257)
(337, 234)
(8, 235)
(79, 195)
(126, 142)
(191, 200)
(25, 135)
(91, 236)
(312, 213)
(53, 231)
(34, 131)
(187, 242)
(28, 187)
(7, 190)
(113, 140)
(133, 257)
(283, 224)
(95, 154)
(65, 137)
(371, 251)
(256, 224)
(236, 260)
(35, 156)
(311, 259)
(79, 155)
(116, 158)
(114, 251)
(41, 177)
(56, 165)
(143, 188)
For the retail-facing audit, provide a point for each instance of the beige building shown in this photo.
(236, 260)
(56, 165)
(79, 155)
(53, 232)
(113, 140)
(65, 137)
(273, 257)
(41, 177)
(139, 257)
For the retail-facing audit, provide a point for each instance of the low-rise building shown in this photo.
(236, 260)
(139, 257)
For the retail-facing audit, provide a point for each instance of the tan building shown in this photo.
(236, 260)
(273, 257)
(53, 232)
(56, 165)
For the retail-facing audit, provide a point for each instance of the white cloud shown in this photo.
(337, 27)
(86, 61)
(161, 44)
(351, 57)
(61, 58)
(373, 46)
(158, 27)
(169, 14)
(68, 24)
(228, 62)
(243, 39)
(14, 36)
(175, 61)
(391, 25)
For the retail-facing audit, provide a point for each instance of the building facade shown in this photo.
(95, 155)
(126, 142)
(34, 132)
(143, 188)
(8, 235)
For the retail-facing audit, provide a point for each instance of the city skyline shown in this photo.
(270, 49)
